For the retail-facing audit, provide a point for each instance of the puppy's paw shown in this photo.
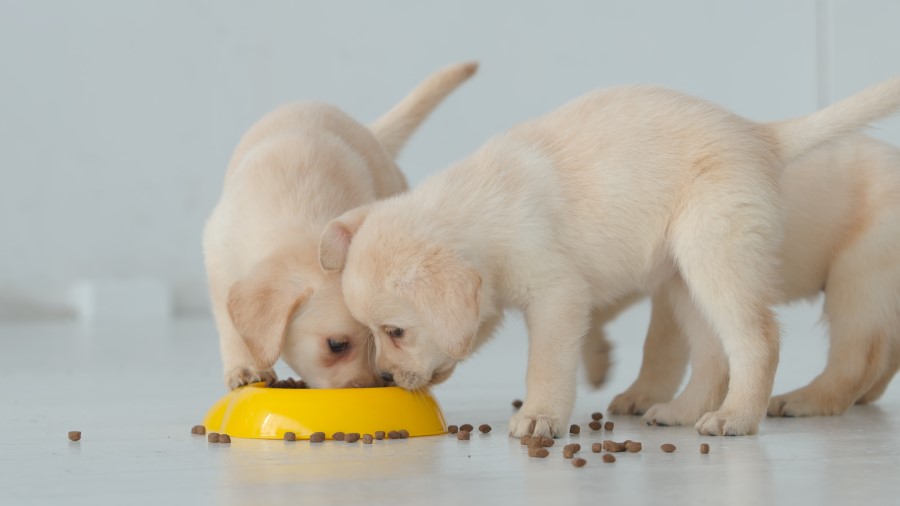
(728, 423)
(535, 424)
(804, 402)
(670, 414)
(634, 402)
(240, 376)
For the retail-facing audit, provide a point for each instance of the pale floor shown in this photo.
(136, 389)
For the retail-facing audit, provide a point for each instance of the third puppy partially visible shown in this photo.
(842, 235)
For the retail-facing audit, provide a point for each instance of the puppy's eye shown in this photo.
(394, 332)
(338, 346)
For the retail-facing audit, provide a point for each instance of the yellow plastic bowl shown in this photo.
(258, 412)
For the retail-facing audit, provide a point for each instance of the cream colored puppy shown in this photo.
(842, 235)
(625, 190)
(293, 171)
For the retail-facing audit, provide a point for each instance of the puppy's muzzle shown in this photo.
(387, 377)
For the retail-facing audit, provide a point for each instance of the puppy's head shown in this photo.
(420, 300)
(288, 308)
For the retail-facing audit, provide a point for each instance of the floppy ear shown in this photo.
(448, 297)
(335, 240)
(261, 306)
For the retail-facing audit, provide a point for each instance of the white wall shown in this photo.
(117, 118)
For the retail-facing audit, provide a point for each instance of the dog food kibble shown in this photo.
(540, 442)
(609, 458)
(668, 448)
(379, 435)
(538, 452)
(596, 416)
(575, 447)
(633, 446)
(525, 440)
(574, 429)
(315, 437)
(595, 425)
(579, 462)
(74, 435)
(484, 428)
(452, 429)
(517, 403)
(608, 426)
(463, 435)
(466, 427)
(290, 436)
(567, 453)
(613, 447)
(213, 437)
(198, 430)
(704, 448)
(393, 435)
(352, 437)
(403, 433)
(338, 436)
(224, 438)
(596, 447)
(367, 439)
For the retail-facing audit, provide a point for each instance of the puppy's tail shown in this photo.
(397, 125)
(800, 135)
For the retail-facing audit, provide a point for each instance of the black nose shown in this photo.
(387, 377)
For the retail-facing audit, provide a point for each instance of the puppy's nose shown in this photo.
(387, 377)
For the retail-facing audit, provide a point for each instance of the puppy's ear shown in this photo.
(448, 296)
(262, 305)
(335, 240)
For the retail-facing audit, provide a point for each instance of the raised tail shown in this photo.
(396, 126)
(800, 135)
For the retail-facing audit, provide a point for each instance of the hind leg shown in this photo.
(709, 366)
(881, 385)
(663, 365)
(725, 244)
(860, 303)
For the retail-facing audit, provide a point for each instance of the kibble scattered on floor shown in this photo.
(315, 437)
(596, 447)
(608, 426)
(198, 430)
(484, 428)
(367, 439)
(224, 438)
(704, 448)
(595, 425)
(351, 437)
(538, 452)
(467, 427)
(668, 448)
(574, 429)
(609, 458)
(452, 429)
(596, 416)
(290, 436)
(74, 435)
(463, 435)
(517, 403)
(212, 437)
(579, 462)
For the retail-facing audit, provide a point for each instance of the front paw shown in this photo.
(526, 423)
(728, 423)
(804, 402)
(634, 402)
(671, 413)
(240, 376)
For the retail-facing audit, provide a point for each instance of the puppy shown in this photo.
(842, 204)
(293, 171)
(620, 191)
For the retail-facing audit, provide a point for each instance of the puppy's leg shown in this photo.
(881, 385)
(596, 347)
(239, 367)
(709, 375)
(725, 242)
(860, 304)
(663, 365)
(557, 321)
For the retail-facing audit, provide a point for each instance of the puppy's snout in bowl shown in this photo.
(387, 377)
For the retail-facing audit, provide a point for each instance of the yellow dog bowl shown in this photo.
(256, 411)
